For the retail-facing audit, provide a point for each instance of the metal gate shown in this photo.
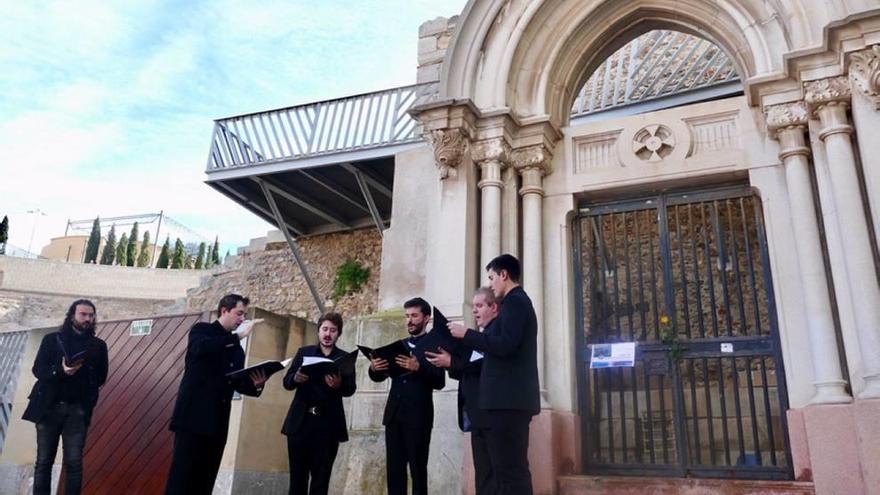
(687, 277)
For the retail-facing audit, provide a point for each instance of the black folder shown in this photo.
(320, 366)
(75, 359)
(267, 367)
(439, 336)
(388, 353)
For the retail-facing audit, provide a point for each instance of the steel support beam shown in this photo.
(368, 196)
(292, 244)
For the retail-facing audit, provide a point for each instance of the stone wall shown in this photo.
(434, 38)
(76, 279)
(272, 280)
(23, 310)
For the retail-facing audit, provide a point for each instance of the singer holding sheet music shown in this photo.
(409, 412)
(201, 414)
(70, 366)
(464, 365)
(315, 423)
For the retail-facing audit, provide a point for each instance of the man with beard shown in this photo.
(201, 413)
(465, 366)
(409, 412)
(62, 400)
(509, 379)
(315, 423)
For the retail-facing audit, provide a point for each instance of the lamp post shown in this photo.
(37, 213)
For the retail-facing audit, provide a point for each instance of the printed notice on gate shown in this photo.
(621, 355)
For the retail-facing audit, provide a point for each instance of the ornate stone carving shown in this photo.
(449, 148)
(786, 115)
(531, 157)
(491, 149)
(864, 72)
(822, 91)
(653, 143)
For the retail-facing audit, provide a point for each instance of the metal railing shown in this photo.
(656, 64)
(358, 122)
(11, 352)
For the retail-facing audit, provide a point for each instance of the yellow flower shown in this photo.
(664, 320)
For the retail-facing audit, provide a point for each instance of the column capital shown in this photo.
(864, 73)
(493, 149)
(785, 115)
(826, 91)
(449, 147)
(448, 126)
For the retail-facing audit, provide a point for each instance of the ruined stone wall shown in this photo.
(272, 281)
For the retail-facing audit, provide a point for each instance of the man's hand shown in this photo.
(70, 370)
(378, 364)
(246, 327)
(300, 377)
(333, 381)
(457, 330)
(440, 359)
(407, 362)
(258, 377)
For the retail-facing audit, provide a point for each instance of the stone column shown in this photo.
(491, 157)
(828, 99)
(531, 163)
(864, 74)
(788, 122)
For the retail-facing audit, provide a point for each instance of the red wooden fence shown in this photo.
(128, 447)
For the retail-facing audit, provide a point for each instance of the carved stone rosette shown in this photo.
(449, 147)
(825, 91)
(864, 72)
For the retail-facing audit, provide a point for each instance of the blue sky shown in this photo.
(107, 107)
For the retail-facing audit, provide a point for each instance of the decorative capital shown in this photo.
(864, 72)
(495, 149)
(786, 115)
(828, 90)
(449, 146)
(531, 157)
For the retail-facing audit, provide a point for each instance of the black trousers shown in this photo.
(483, 476)
(508, 444)
(194, 464)
(404, 446)
(310, 454)
(68, 423)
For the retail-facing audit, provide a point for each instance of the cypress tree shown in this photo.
(179, 258)
(109, 252)
(94, 242)
(164, 255)
(215, 257)
(4, 234)
(200, 259)
(131, 248)
(122, 250)
(144, 258)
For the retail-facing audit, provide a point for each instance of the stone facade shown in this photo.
(272, 281)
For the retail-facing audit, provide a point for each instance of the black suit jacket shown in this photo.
(509, 378)
(411, 399)
(47, 368)
(315, 392)
(204, 398)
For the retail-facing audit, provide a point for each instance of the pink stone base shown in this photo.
(800, 447)
(867, 420)
(553, 451)
(834, 449)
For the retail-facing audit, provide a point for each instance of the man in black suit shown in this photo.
(201, 414)
(315, 423)
(509, 380)
(465, 366)
(62, 400)
(409, 412)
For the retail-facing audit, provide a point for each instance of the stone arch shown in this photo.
(532, 57)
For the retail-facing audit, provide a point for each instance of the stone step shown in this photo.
(632, 485)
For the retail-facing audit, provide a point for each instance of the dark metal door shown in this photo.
(687, 277)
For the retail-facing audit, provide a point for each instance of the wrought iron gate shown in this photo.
(687, 277)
